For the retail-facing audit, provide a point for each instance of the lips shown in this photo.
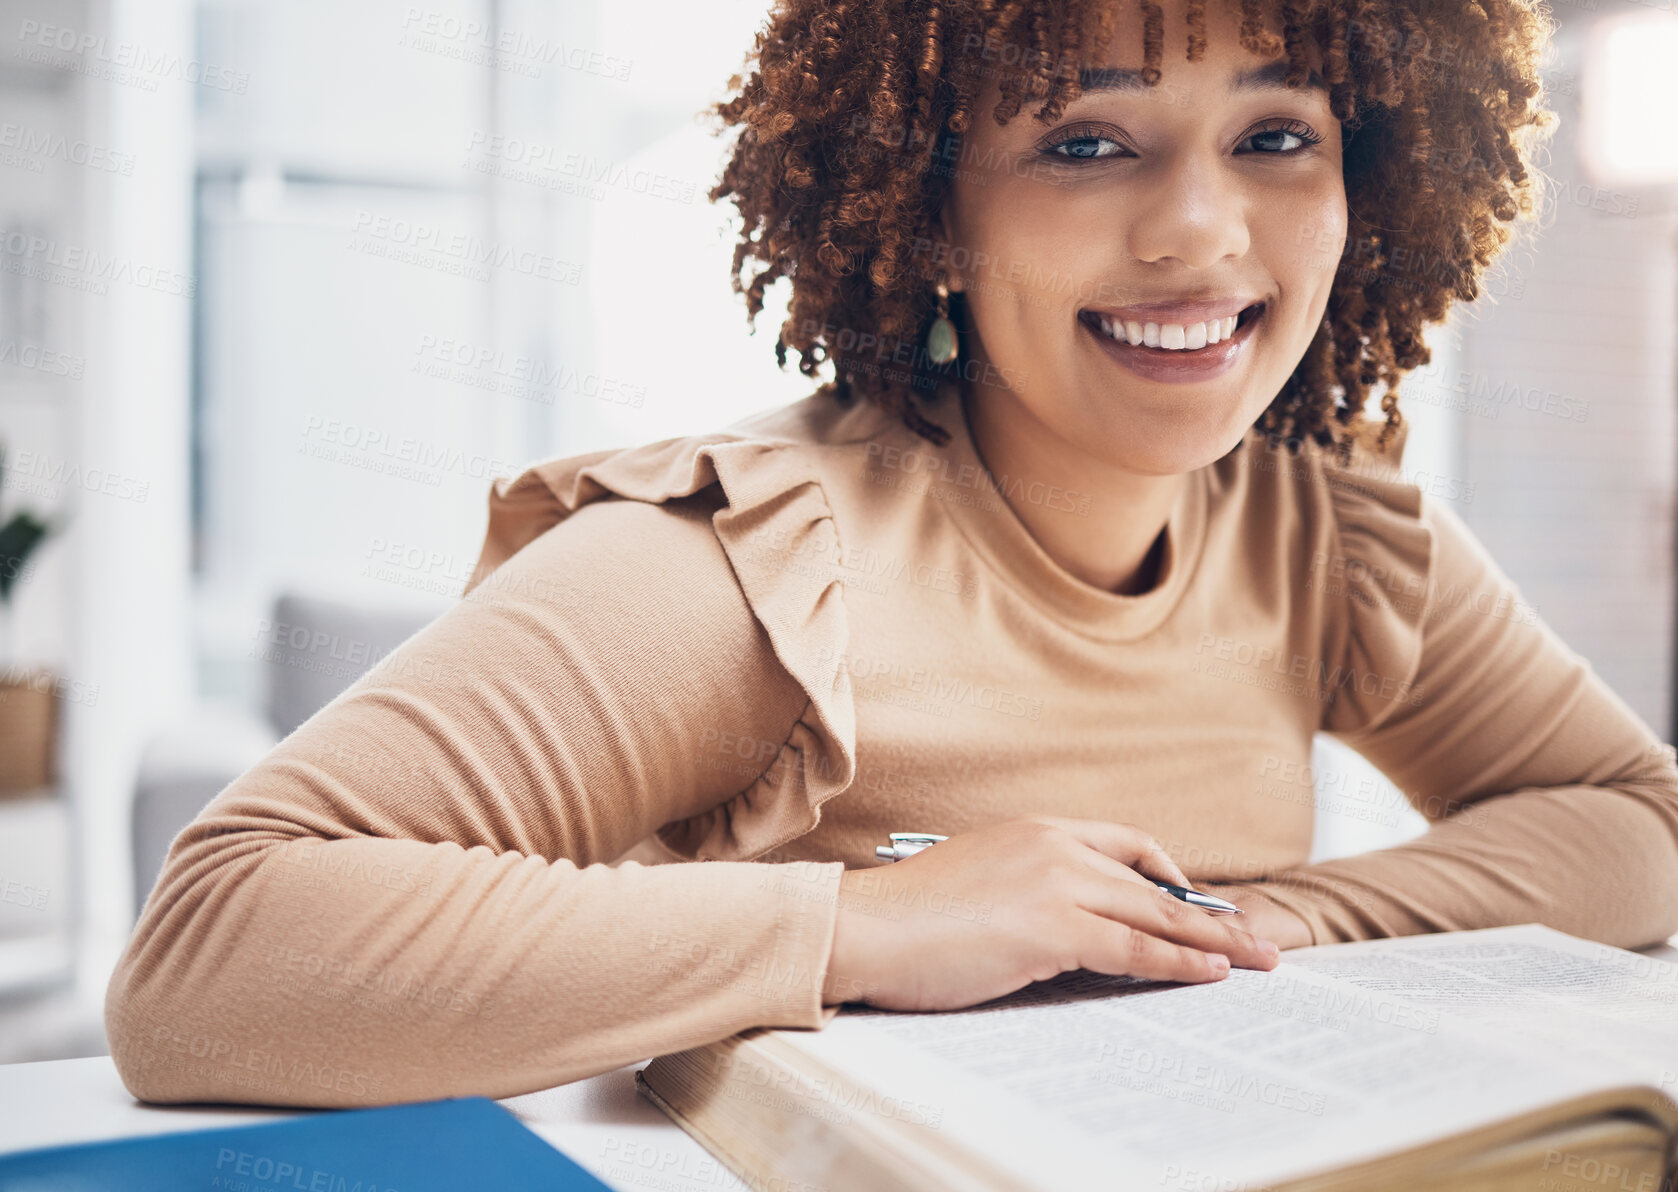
(1177, 365)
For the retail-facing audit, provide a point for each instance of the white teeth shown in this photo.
(1170, 336)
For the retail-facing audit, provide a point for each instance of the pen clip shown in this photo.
(906, 844)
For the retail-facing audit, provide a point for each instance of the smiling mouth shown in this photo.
(1120, 334)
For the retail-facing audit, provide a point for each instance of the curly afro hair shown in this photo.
(1433, 97)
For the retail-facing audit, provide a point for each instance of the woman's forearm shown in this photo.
(1600, 863)
(372, 971)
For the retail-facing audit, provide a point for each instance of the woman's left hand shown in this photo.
(1263, 917)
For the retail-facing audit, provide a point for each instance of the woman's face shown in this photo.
(1193, 189)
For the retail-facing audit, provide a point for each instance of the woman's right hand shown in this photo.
(989, 911)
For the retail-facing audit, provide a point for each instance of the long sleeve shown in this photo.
(413, 895)
(1550, 800)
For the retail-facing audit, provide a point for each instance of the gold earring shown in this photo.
(941, 338)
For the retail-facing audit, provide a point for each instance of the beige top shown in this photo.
(424, 892)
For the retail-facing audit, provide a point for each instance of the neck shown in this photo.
(1117, 545)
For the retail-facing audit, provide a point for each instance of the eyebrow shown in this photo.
(1255, 78)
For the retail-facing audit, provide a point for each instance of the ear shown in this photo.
(941, 229)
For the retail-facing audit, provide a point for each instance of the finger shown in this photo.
(1124, 843)
(1117, 870)
(1117, 948)
(1159, 914)
(1113, 870)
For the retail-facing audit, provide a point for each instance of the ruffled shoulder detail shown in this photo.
(774, 496)
(1381, 564)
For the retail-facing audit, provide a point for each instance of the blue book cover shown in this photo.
(429, 1146)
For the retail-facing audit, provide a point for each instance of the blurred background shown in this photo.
(284, 287)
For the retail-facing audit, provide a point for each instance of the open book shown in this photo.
(1502, 1059)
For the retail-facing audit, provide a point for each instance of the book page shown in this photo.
(1666, 951)
(1258, 1077)
(1576, 994)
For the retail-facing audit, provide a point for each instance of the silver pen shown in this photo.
(907, 844)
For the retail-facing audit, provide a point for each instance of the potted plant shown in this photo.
(27, 711)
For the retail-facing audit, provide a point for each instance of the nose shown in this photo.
(1193, 212)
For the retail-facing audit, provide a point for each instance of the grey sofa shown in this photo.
(187, 765)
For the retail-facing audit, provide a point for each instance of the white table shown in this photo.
(602, 1123)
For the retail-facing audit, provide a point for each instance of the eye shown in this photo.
(1082, 142)
(1287, 128)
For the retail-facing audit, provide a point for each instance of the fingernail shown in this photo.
(1220, 963)
(1269, 949)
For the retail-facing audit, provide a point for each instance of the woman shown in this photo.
(1076, 604)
